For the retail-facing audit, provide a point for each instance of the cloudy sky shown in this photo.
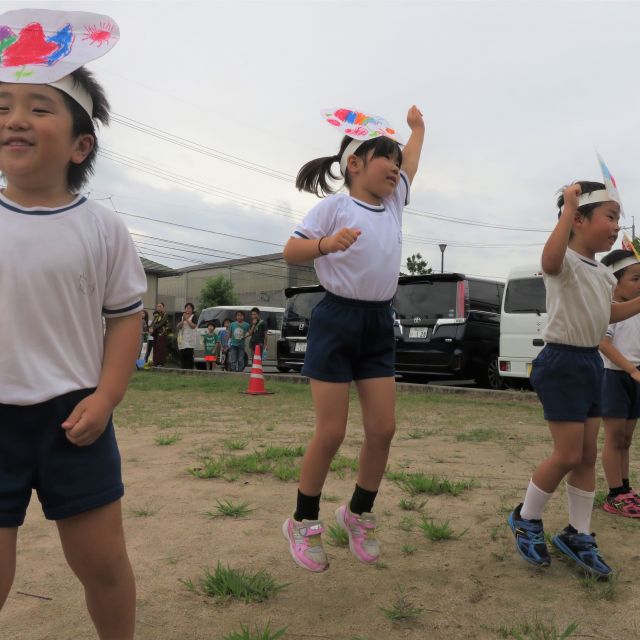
(216, 106)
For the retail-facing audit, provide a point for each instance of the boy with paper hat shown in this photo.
(74, 258)
(567, 374)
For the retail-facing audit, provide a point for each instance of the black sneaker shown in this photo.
(583, 550)
(529, 535)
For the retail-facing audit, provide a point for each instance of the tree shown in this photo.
(417, 266)
(216, 292)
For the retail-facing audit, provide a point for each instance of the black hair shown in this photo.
(256, 310)
(315, 175)
(226, 320)
(190, 304)
(585, 210)
(79, 174)
(615, 256)
(240, 311)
(210, 324)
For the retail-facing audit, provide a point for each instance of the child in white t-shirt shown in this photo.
(355, 239)
(621, 388)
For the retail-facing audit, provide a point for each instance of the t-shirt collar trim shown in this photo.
(5, 203)
(366, 205)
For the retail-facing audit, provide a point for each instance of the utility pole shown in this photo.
(442, 248)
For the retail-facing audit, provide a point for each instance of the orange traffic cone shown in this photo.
(256, 379)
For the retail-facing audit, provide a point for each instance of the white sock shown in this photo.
(534, 503)
(580, 508)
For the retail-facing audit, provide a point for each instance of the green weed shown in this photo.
(257, 634)
(537, 630)
(437, 531)
(227, 509)
(337, 536)
(600, 589)
(285, 471)
(167, 440)
(419, 483)
(402, 609)
(408, 549)
(410, 504)
(236, 445)
(480, 435)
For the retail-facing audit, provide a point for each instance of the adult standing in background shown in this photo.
(187, 336)
(149, 337)
(257, 332)
(160, 330)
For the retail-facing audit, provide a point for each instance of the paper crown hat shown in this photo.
(359, 126)
(41, 46)
(609, 193)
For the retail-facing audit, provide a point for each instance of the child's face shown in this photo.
(254, 316)
(628, 286)
(601, 231)
(210, 328)
(379, 176)
(239, 317)
(36, 139)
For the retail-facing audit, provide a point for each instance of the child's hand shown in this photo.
(414, 118)
(635, 374)
(88, 420)
(571, 195)
(340, 241)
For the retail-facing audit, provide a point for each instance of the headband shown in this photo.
(621, 264)
(601, 195)
(350, 149)
(40, 46)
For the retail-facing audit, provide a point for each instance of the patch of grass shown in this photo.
(210, 469)
(278, 453)
(437, 531)
(236, 445)
(419, 483)
(226, 583)
(410, 504)
(168, 440)
(480, 434)
(226, 509)
(342, 463)
(416, 434)
(264, 633)
(402, 609)
(328, 497)
(408, 549)
(143, 512)
(536, 630)
(249, 463)
(599, 588)
(407, 523)
(601, 496)
(381, 565)
(337, 536)
(286, 471)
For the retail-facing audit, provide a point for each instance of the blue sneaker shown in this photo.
(583, 550)
(529, 536)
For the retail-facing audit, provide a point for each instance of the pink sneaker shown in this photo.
(362, 534)
(305, 543)
(624, 504)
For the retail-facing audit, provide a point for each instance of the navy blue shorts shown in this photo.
(35, 454)
(568, 381)
(620, 395)
(350, 340)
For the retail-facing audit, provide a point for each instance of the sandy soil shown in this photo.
(472, 587)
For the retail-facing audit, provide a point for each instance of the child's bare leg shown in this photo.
(8, 538)
(378, 401)
(567, 454)
(614, 450)
(331, 403)
(94, 545)
(630, 427)
(583, 475)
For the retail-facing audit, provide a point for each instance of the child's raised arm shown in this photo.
(556, 245)
(411, 151)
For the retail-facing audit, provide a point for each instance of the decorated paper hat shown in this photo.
(40, 46)
(608, 194)
(359, 126)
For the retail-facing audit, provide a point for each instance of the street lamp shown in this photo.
(442, 248)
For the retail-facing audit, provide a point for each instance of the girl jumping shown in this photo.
(355, 240)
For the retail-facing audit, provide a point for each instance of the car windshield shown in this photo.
(427, 300)
(301, 304)
(525, 295)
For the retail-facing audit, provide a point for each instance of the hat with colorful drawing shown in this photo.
(359, 126)
(41, 46)
(609, 193)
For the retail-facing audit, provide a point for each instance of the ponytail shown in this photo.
(315, 174)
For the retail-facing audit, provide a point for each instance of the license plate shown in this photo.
(418, 332)
(528, 370)
(300, 347)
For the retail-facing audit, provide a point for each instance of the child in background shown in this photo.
(61, 380)
(210, 340)
(567, 374)
(355, 240)
(224, 337)
(238, 332)
(621, 388)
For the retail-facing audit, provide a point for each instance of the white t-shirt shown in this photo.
(625, 337)
(578, 301)
(369, 268)
(187, 336)
(61, 270)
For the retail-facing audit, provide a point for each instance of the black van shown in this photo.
(448, 325)
(292, 344)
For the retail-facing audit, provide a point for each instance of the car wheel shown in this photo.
(490, 377)
(283, 369)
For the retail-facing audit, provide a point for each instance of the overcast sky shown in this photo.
(516, 97)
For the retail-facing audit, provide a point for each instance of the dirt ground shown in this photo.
(475, 586)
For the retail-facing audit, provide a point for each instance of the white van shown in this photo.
(272, 317)
(523, 319)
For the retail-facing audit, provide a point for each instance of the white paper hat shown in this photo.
(40, 46)
(359, 126)
(608, 194)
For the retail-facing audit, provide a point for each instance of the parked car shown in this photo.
(292, 344)
(271, 315)
(523, 319)
(448, 326)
